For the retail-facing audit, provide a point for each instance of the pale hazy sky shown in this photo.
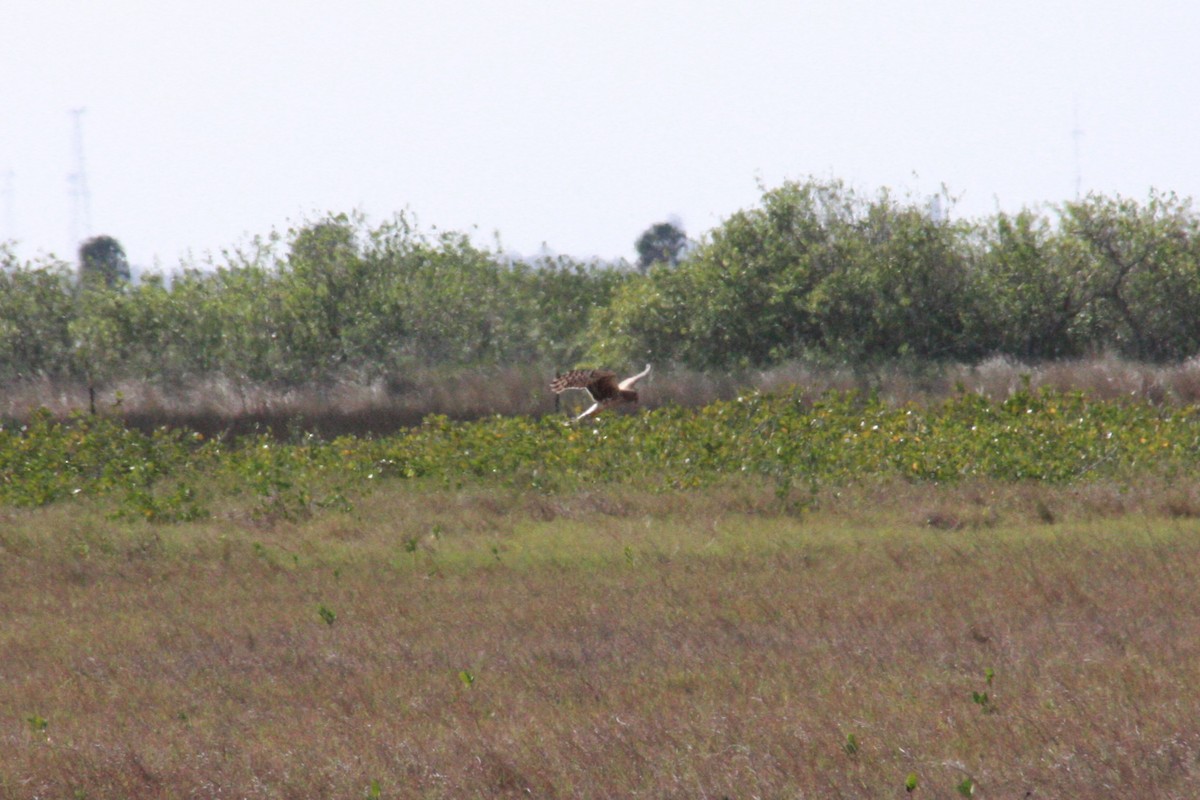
(573, 124)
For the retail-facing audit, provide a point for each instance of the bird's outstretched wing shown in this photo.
(632, 379)
(601, 384)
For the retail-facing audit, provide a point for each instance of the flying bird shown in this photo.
(602, 385)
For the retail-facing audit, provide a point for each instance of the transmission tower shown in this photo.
(81, 197)
(1077, 137)
(10, 207)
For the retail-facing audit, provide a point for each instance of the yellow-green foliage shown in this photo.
(1044, 436)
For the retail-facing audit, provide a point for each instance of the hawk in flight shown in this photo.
(602, 385)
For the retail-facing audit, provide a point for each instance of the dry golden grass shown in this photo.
(353, 406)
(610, 644)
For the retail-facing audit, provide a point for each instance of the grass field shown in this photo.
(355, 406)
(989, 639)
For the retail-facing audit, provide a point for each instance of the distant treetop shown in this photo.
(101, 258)
(663, 242)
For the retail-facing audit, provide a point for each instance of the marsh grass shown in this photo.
(356, 406)
(615, 644)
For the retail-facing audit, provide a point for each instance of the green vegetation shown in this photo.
(780, 593)
(816, 272)
(102, 260)
(819, 272)
(789, 443)
(331, 300)
(766, 596)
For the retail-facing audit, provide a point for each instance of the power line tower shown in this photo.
(10, 206)
(81, 197)
(1077, 137)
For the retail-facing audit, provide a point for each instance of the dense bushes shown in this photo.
(816, 271)
(332, 299)
(819, 272)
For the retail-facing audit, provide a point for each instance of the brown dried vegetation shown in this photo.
(219, 405)
(610, 644)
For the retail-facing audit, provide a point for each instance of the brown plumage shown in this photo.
(602, 385)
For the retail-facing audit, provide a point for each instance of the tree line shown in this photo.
(815, 271)
(818, 271)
